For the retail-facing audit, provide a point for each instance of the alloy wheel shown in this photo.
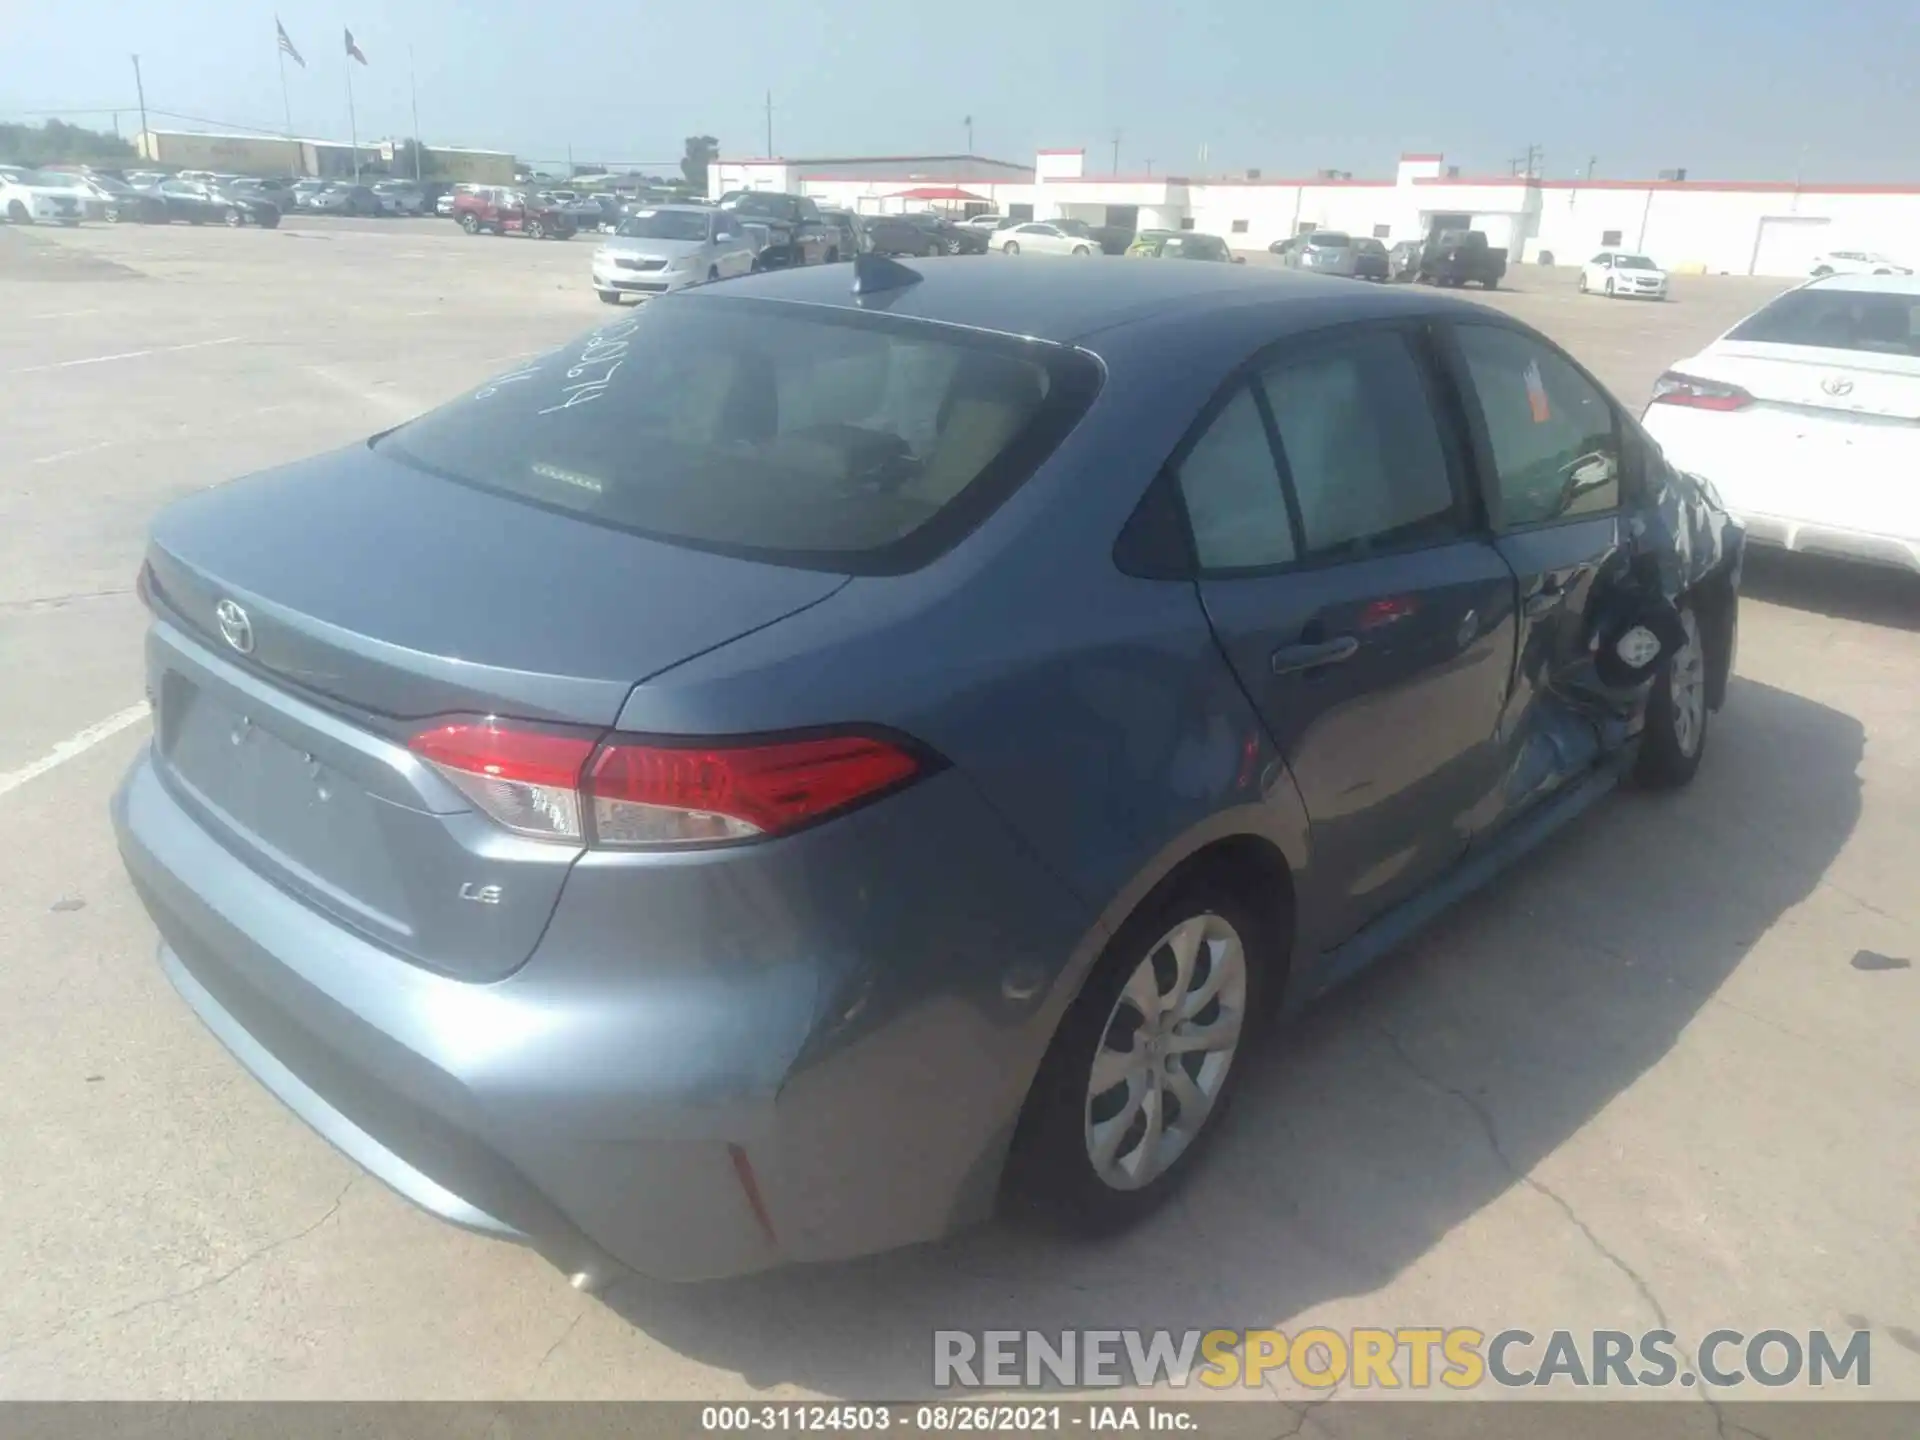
(1165, 1051)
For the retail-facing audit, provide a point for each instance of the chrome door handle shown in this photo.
(1290, 659)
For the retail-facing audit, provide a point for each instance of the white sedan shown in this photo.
(1856, 262)
(33, 197)
(1620, 272)
(1806, 418)
(1042, 238)
(669, 247)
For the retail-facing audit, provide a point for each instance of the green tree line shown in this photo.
(58, 143)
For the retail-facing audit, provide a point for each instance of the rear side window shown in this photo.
(1360, 446)
(1235, 506)
(1556, 449)
(836, 440)
(1871, 320)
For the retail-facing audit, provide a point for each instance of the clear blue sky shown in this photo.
(1730, 90)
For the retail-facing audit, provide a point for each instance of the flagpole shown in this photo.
(293, 165)
(353, 126)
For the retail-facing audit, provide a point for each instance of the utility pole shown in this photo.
(1116, 152)
(413, 93)
(145, 134)
(769, 125)
(968, 122)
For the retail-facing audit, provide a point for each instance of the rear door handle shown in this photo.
(1290, 659)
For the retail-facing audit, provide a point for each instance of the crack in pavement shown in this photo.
(174, 1296)
(1540, 1187)
(565, 1335)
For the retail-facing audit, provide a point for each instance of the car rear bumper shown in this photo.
(705, 1069)
(1814, 538)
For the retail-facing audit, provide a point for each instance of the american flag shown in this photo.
(286, 45)
(353, 49)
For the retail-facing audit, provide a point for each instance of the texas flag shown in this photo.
(354, 50)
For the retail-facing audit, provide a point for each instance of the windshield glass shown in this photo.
(844, 441)
(664, 225)
(1329, 240)
(1195, 247)
(1865, 320)
(778, 207)
(55, 180)
(1633, 262)
(1071, 227)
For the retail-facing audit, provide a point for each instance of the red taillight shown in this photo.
(1673, 388)
(673, 795)
(545, 782)
(526, 778)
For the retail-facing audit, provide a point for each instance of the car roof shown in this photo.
(1065, 302)
(1883, 284)
(679, 209)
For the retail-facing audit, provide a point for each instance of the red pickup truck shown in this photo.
(506, 211)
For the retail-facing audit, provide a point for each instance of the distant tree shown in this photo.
(702, 151)
(402, 165)
(58, 143)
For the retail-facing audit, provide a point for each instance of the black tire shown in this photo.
(952, 247)
(1050, 1172)
(1583, 282)
(833, 255)
(608, 297)
(235, 217)
(269, 221)
(1675, 735)
(1822, 271)
(1492, 282)
(112, 216)
(470, 223)
(713, 273)
(1081, 250)
(17, 213)
(536, 228)
(1012, 247)
(1609, 287)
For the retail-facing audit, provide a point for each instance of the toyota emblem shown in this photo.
(235, 628)
(1837, 385)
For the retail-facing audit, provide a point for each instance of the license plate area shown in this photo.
(280, 805)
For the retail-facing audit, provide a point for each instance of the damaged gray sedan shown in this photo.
(956, 710)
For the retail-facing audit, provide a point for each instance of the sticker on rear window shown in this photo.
(1537, 394)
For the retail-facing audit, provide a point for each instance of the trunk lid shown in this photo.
(1811, 377)
(371, 596)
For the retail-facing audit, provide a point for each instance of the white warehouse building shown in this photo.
(1719, 226)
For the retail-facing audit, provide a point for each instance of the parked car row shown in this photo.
(68, 197)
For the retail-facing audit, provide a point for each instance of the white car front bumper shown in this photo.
(632, 275)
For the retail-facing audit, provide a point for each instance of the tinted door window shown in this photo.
(1361, 447)
(1232, 489)
(1554, 442)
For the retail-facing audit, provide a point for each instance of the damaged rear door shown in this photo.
(1560, 472)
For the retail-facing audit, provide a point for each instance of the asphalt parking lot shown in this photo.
(1664, 1075)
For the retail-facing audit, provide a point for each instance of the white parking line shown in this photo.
(65, 314)
(123, 355)
(76, 744)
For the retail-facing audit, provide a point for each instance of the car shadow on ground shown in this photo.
(1387, 1116)
(1872, 594)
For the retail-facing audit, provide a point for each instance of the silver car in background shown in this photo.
(669, 247)
(1325, 252)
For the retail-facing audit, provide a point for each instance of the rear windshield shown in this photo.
(1196, 247)
(1885, 324)
(1332, 239)
(834, 440)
